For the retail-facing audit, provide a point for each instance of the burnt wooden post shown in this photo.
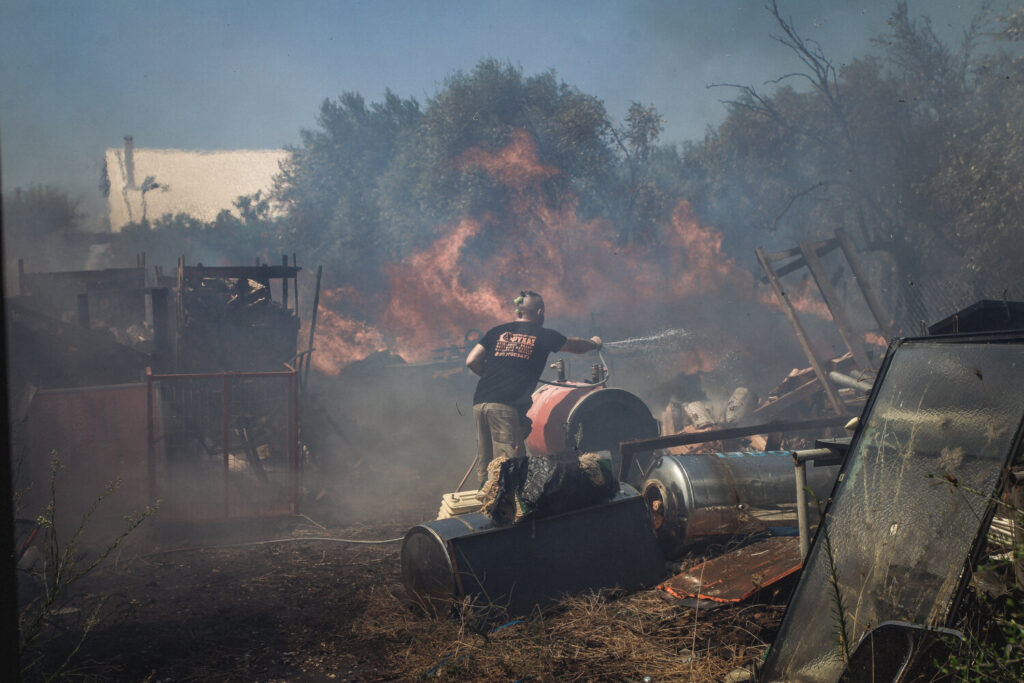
(865, 288)
(312, 323)
(294, 262)
(158, 316)
(150, 437)
(226, 416)
(284, 282)
(83, 309)
(801, 335)
(835, 307)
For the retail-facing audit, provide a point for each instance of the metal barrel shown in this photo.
(586, 418)
(512, 569)
(700, 497)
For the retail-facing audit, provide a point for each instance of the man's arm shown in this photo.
(475, 359)
(580, 345)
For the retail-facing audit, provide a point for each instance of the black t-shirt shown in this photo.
(515, 359)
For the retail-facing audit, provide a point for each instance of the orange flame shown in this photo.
(804, 297)
(875, 339)
(456, 284)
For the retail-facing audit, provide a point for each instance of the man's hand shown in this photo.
(597, 343)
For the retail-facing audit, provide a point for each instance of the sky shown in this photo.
(76, 77)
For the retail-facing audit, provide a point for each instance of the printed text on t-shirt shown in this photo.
(512, 345)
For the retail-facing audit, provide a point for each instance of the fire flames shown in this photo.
(804, 297)
(454, 285)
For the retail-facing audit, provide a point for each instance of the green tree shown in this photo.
(429, 186)
(375, 183)
(648, 176)
(329, 185)
(227, 239)
(858, 148)
(977, 190)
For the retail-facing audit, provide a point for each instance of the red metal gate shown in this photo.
(98, 435)
(224, 445)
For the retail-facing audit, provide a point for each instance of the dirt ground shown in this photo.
(268, 602)
(287, 600)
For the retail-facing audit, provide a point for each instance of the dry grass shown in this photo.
(587, 638)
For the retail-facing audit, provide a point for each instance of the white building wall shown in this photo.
(198, 183)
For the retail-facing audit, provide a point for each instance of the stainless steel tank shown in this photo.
(699, 497)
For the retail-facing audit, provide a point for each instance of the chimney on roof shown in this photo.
(129, 162)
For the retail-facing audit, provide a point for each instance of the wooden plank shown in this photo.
(802, 392)
(781, 255)
(801, 335)
(881, 318)
(35, 283)
(835, 307)
(790, 267)
(823, 247)
(263, 272)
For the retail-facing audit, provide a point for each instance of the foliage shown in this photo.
(62, 565)
(484, 110)
(227, 240)
(915, 152)
(993, 628)
(376, 183)
(330, 185)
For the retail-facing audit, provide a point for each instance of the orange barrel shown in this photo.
(586, 418)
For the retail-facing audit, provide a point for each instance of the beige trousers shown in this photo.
(499, 432)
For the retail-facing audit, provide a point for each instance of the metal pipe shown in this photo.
(801, 507)
(800, 459)
(851, 382)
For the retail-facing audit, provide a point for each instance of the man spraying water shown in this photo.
(509, 360)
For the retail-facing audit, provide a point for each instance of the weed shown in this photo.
(62, 565)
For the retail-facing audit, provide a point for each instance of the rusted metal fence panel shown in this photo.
(224, 445)
(98, 434)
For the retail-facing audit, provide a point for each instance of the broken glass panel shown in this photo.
(910, 501)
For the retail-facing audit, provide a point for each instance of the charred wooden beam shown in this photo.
(801, 335)
(263, 272)
(835, 306)
(869, 293)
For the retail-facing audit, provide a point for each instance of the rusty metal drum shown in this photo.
(586, 418)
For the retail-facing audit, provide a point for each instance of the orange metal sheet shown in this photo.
(735, 576)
